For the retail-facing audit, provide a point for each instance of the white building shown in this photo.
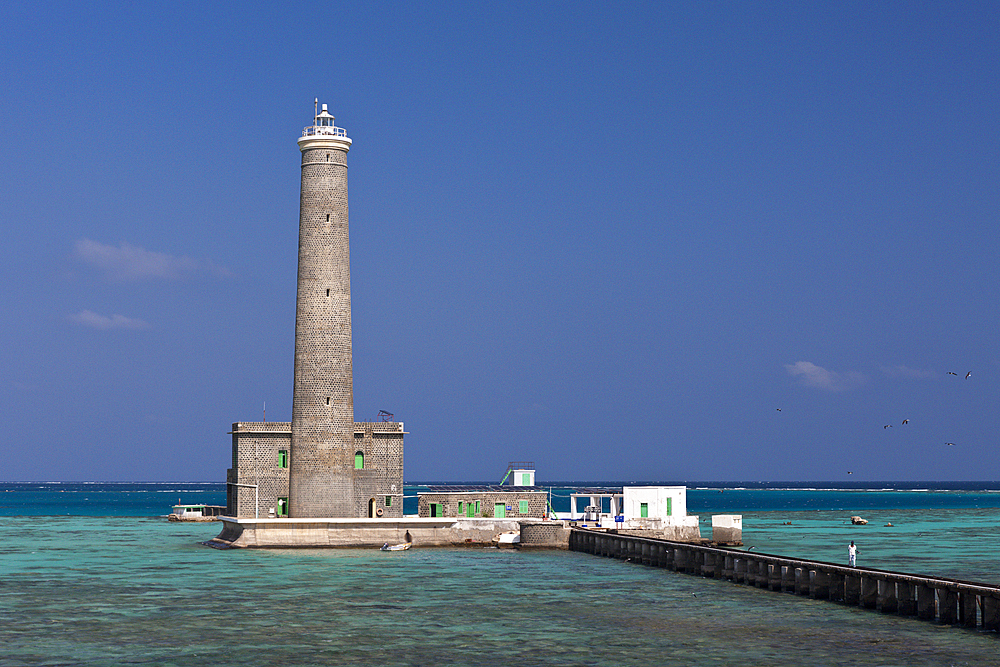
(657, 508)
(520, 473)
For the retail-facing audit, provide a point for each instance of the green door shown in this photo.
(499, 510)
(526, 479)
(644, 510)
(470, 510)
(435, 510)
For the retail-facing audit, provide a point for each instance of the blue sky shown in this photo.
(611, 238)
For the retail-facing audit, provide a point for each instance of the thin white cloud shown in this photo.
(91, 319)
(818, 377)
(128, 262)
(901, 371)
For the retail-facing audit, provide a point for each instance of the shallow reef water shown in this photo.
(120, 590)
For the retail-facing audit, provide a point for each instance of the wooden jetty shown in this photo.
(948, 601)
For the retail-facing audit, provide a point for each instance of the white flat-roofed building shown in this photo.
(665, 503)
(656, 508)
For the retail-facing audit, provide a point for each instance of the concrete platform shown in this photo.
(362, 533)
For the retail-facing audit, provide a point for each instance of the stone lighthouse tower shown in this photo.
(322, 466)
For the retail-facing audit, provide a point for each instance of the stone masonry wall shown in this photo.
(322, 469)
(256, 461)
(382, 446)
(537, 501)
(545, 534)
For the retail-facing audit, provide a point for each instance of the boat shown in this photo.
(507, 539)
(196, 512)
(395, 547)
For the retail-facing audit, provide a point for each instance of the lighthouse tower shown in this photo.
(322, 466)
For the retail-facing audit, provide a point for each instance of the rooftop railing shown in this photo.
(326, 130)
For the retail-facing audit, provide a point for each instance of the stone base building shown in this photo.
(257, 484)
(486, 501)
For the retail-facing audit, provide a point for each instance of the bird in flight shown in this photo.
(887, 426)
(779, 409)
(906, 421)
(968, 375)
(950, 444)
(950, 373)
(849, 472)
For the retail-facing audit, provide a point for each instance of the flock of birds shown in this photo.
(907, 421)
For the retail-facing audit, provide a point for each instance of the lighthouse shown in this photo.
(321, 475)
(322, 464)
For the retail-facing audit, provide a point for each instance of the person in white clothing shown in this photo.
(852, 554)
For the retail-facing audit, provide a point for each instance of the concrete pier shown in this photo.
(819, 585)
(886, 602)
(852, 588)
(869, 592)
(802, 580)
(947, 605)
(906, 601)
(946, 601)
(991, 612)
(968, 605)
(926, 609)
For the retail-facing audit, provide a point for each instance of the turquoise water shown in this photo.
(153, 499)
(106, 589)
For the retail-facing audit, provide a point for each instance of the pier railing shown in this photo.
(948, 601)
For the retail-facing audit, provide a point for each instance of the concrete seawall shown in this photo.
(359, 533)
(947, 601)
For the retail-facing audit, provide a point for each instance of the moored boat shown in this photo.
(196, 512)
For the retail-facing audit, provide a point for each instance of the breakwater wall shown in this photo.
(948, 601)
(358, 533)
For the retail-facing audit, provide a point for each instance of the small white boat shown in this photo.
(507, 539)
(395, 547)
(196, 512)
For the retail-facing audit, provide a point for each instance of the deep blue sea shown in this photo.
(93, 574)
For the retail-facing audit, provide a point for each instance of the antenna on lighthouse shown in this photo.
(315, 107)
